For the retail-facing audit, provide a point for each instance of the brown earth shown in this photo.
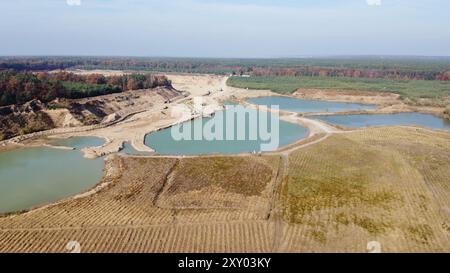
(447, 112)
(35, 116)
(390, 185)
(386, 102)
(23, 119)
(131, 204)
(366, 97)
(332, 193)
(107, 108)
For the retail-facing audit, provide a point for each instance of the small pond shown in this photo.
(358, 121)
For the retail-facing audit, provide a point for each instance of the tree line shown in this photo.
(21, 87)
(351, 73)
(387, 68)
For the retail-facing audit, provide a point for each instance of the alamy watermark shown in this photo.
(73, 247)
(374, 247)
(236, 123)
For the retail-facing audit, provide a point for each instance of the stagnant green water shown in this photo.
(309, 106)
(163, 142)
(33, 177)
(358, 121)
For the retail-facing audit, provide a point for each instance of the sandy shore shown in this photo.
(210, 88)
(213, 91)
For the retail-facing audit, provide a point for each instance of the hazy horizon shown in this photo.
(337, 57)
(225, 29)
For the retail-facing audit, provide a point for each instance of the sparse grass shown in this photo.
(447, 112)
(29, 130)
(242, 183)
(335, 178)
(410, 90)
(234, 174)
(446, 227)
(128, 211)
(342, 219)
(55, 105)
(371, 183)
(421, 233)
(385, 184)
(319, 235)
(371, 225)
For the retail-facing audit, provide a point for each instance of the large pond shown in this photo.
(163, 142)
(309, 106)
(31, 177)
(358, 121)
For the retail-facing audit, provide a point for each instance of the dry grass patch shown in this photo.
(221, 182)
(203, 211)
(326, 177)
(127, 200)
(242, 175)
(389, 184)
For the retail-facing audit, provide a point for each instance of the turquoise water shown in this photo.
(79, 142)
(129, 150)
(419, 119)
(163, 142)
(33, 177)
(309, 106)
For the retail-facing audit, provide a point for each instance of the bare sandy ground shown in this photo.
(127, 213)
(210, 88)
(213, 91)
(63, 118)
(364, 97)
(386, 102)
(195, 205)
(106, 73)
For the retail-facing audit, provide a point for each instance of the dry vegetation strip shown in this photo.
(386, 184)
(157, 204)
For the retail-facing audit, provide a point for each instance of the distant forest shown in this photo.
(18, 87)
(394, 68)
(26, 78)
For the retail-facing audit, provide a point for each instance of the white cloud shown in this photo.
(374, 2)
(73, 2)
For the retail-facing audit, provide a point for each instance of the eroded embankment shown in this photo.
(35, 119)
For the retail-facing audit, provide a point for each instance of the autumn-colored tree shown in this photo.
(132, 84)
(42, 76)
(96, 79)
(444, 76)
(20, 87)
(115, 80)
(13, 83)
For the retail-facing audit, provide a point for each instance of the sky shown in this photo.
(225, 28)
